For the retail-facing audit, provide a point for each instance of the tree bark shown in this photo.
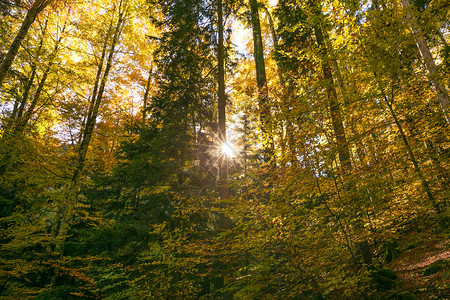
(23, 120)
(32, 13)
(344, 94)
(145, 100)
(10, 134)
(287, 94)
(435, 79)
(334, 107)
(26, 93)
(275, 43)
(261, 80)
(223, 162)
(72, 191)
(20, 107)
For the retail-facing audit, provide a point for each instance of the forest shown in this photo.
(224, 149)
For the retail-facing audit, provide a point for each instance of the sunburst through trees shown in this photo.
(224, 149)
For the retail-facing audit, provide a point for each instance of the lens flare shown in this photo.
(228, 150)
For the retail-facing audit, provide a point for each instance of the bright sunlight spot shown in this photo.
(228, 150)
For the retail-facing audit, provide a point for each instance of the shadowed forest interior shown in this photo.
(224, 149)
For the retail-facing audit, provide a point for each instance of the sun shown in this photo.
(228, 150)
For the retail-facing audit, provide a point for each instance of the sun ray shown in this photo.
(228, 150)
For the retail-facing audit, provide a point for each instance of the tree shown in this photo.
(221, 101)
(108, 50)
(30, 101)
(115, 180)
(424, 50)
(334, 106)
(37, 7)
(258, 54)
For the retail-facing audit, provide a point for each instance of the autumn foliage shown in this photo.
(224, 149)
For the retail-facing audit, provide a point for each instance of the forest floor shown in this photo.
(423, 269)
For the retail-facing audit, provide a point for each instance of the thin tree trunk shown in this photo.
(412, 157)
(435, 79)
(34, 11)
(261, 80)
(23, 101)
(98, 77)
(9, 134)
(223, 162)
(145, 100)
(72, 191)
(287, 93)
(409, 150)
(275, 43)
(19, 107)
(335, 110)
(339, 130)
(22, 121)
(344, 94)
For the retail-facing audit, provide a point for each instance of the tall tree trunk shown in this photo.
(72, 191)
(97, 78)
(337, 71)
(261, 81)
(441, 91)
(8, 139)
(275, 43)
(339, 133)
(223, 162)
(344, 94)
(23, 120)
(333, 103)
(26, 93)
(32, 13)
(145, 100)
(10, 134)
(19, 106)
(286, 94)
